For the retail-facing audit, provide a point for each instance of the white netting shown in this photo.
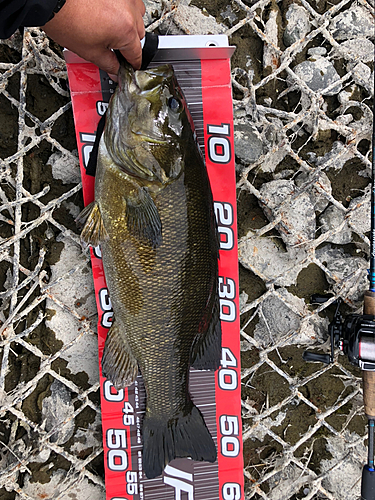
(303, 88)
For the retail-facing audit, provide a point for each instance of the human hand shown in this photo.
(91, 28)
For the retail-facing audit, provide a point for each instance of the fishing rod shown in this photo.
(368, 376)
(355, 336)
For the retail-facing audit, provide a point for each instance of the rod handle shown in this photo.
(368, 379)
(367, 376)
(369, 303)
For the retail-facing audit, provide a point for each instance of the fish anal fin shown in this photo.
(184, 435)
(206, 351)
(93, 231)
(143, 219)
(118, 362)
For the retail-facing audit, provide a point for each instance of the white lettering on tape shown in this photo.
(178, 481)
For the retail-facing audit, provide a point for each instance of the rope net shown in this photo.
(302, 83)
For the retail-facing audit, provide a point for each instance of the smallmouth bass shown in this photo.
(154, 219)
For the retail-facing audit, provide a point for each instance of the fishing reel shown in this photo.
(354, 336)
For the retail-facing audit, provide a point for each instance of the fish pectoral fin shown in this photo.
(143, 219)
(118, 362)
(206, 351)
(93, 231)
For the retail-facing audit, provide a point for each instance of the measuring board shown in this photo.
(202, 68)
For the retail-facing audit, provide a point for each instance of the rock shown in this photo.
(57, 487)
(57, 408)
(330, 220)
(336, 158)
(72, 208)
(343, 468)
(287, 482)
(76, 292)
(42, 456)
(229, 15)
(361, 74)
(243, 300)
(298, 222)
(360, 218)
(344, 119)
(246, 346)
(317, 51)
(276, 321)
(271, 57)
(318, 200)
(248, 145)
(318, 73)
(65, 168)
(284, 174)
(267, 102)
(275, 193)
(269, 261)
(153, 11)
(298, 24)
(346, 94)
(313, 330)
(352, 23)
(348, 275)
(275, 144)
(86, 439)
(193, 22)
(360, 49)
(362, 125)
(168, 27)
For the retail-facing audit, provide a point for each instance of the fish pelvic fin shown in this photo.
(118, 362)
(143, 219)
(184, 435)
(93, 231)
(206, 350)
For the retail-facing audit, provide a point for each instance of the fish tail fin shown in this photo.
(184, 435)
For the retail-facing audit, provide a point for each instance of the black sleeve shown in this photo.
(18, 13)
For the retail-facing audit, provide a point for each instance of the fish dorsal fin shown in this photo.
(142, 218)
(118, 363)
(93, 231)
(206, 351)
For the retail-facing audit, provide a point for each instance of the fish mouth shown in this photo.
(147, 84)
(143, 81)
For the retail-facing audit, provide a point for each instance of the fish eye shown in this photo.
(174, 104)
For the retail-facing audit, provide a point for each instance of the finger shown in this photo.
(133, 53)
(105, 59)
(141, 28)
(141, 7)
